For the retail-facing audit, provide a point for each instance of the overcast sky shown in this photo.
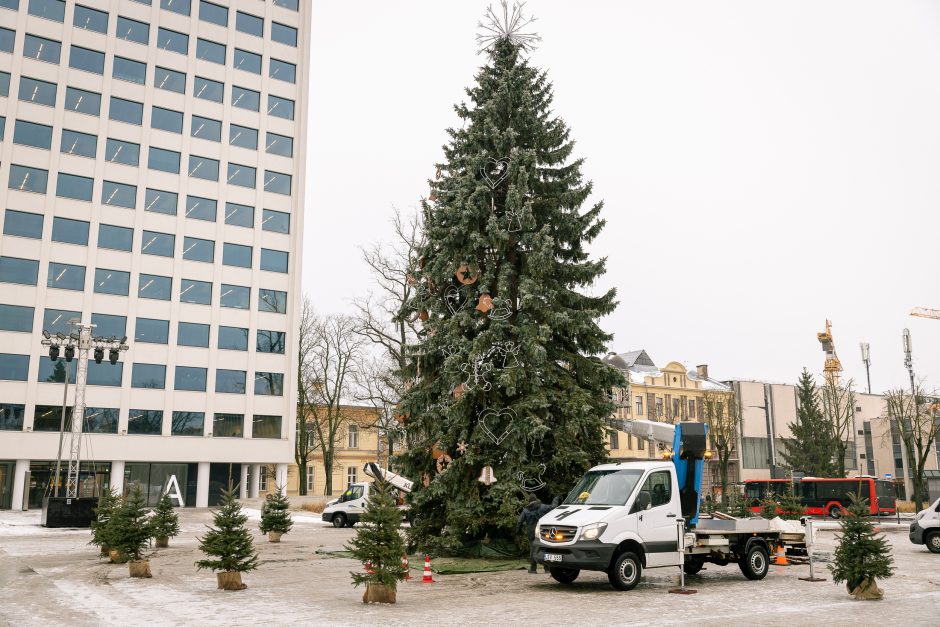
(765, 165)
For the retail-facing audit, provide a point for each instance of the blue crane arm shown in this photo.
(688, 455)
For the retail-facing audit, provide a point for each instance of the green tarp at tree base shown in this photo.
(451, 565)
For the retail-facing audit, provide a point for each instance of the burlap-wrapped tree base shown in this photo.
(274, 536)
(868, 590)
(140, 568)
(378, 593)
(230, 580)
(162, 542)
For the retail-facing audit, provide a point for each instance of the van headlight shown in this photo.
(593, 532)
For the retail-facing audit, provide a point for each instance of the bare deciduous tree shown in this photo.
(723, 417)
(838, 407)
(916, 417)
(377, 385)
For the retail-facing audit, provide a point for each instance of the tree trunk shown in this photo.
(723, 475)
(328, 471)
(840, 450)
(302, 479)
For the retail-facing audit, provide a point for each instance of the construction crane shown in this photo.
(832, 366)
(924, 312)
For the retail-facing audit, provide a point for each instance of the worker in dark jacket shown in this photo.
(529, 517)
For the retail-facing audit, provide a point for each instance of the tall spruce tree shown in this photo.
(812, 449)
(505, 373)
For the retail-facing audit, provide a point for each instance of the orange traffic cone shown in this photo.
(781, 556)
(427, 571)
(405, 567)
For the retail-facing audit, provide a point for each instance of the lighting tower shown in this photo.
(832, 366)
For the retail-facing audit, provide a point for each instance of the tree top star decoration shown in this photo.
(509, 26)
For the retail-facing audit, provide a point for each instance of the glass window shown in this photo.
(16, 367)
(109, 326)
(155, 287)
(57, 320)
(114, 282)
(177, 6)
(205, 128)
(187, 423)
(195, 249)
(193, 334)
(243, 136)
(283, 71)
(276, 221)
(80, 101)
(49, 417)
(280, 107)
(148, 376)
(43, 49)
(199, 208)
(100, 419)
(11, 416)
(13, 5)
(164, 160)
(40, 92)
(230, 381)
(273, 260)
(166, 119)
(270, 342)
(234, 296)
(66, 276)
(70, 231)
(74, 187)
(247, 61)
(115, 237)
(233, 338)
(241, 175)
(269, 384)
(119, 194)
(208, 89)
(126, 111)
(209, 12)
(245, 98)
(90, 19)
(160, 244)
(272, 300)
(48, 9)
(79, 144)
(25, 271)
(277, 182)
(7, 40)
(169, 80)
(161, 201)
(282, 33)
(659, 487)
(132, 30)
(86, 60)
(279, 145)
(28, 179)
(105, 373)
(173, 41)
(22, 224)
(293, 5)
(248, 23)
(32, 134)
(3, 127)
(16, 318)
(189, 378)
(203, 168)
(152, 331)
(266, 427)
(236, 255)
(196, 292)
(210, 51)
(227, 425)
(118, 151)
(239, 215)
(129, 70)
(5, 84)
(144, 421)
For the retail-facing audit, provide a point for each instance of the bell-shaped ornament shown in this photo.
(487, 476)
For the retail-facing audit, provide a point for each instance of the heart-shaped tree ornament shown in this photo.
(492, 421)
(494, 171)
(455, 299)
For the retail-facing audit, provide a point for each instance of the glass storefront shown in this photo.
(6, 484)
(153, 480)
(221, 476)
(93, 478)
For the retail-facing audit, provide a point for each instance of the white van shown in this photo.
(347, 509)
(926, 527)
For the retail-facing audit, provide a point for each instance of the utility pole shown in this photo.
(866, 358)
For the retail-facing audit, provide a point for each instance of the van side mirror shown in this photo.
(643, 502)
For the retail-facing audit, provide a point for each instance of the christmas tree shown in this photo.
(861, 555)
(228, 545)
(275, 515)
(812, 449)
(164, 523)
(107, 503)
(129, 530)
(378, 544)
(791, 506)
(509, 398)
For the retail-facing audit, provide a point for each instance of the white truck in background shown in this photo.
(348, 508)
(926, 527)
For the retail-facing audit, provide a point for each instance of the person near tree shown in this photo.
(529, 520)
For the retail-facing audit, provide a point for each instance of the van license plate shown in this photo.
(553, 557)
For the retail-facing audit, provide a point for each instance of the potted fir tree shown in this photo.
(861, 556)
(129, 533)
(107, 503)
(228, 545)
(165, 523)
(275, 515)
(379, 543)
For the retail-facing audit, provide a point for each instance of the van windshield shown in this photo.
(604, 487)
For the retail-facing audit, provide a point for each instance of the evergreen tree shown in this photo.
(860, 553)
(378, 540)
(790, 504)
(505, 372)
(108, 502)
(129, 530)
(813, 447)
(768, 507)
(275, 513)
(164, 522)
(228, 545)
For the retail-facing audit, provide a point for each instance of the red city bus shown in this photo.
(826, 497)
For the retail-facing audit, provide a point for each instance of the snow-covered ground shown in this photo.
(53, 577)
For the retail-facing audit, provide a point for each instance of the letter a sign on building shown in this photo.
(173, 489)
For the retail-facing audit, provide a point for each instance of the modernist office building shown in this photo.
(151, 166)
